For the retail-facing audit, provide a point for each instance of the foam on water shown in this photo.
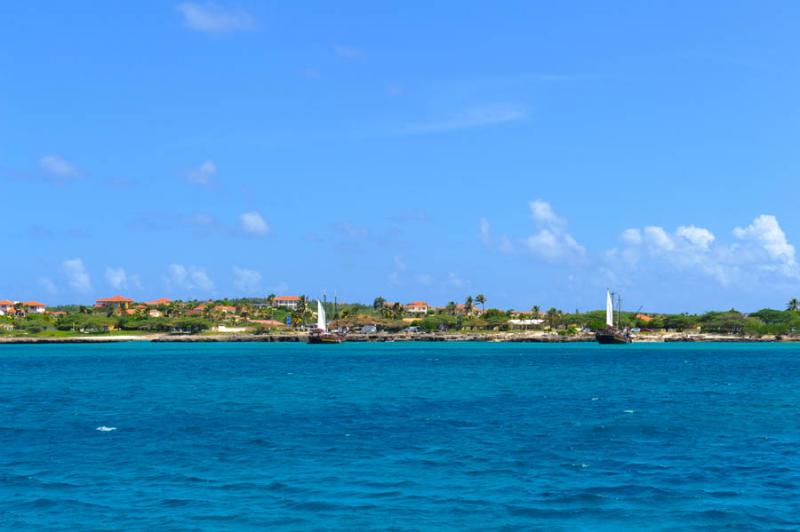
(103, 428)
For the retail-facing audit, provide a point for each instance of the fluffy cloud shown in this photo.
(77, 276)
(203, 174)
(246, 280)
(182, 278)
(761, 247)
(253, 223)
(118, 278)
(58, 168)
(213, 19)
(551, 241)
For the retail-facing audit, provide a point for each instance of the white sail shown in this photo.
(609, 309)
(322, 322)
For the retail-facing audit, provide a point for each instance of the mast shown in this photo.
(619, 310)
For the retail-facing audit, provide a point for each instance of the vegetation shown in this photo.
(258, 315)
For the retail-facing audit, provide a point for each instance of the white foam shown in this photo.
(103, 428)
(629, 411)
(595, 398)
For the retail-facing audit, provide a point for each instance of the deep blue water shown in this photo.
(403, 436)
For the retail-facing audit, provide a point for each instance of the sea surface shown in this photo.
(400, 436)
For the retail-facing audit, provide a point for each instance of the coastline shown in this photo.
(504, 337)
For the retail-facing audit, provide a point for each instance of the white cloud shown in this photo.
(213, 19)
(246, 280)
(765, 232)
(474, 117)
(182, 278)
(485, 232)
(552, 241)
(119, 279)
(203, 174)
(347, 52)
(456, 281)
(58, 167)
(761, 248)
(77, 276)
(253, 223)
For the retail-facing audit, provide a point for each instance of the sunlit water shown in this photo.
(403, 436)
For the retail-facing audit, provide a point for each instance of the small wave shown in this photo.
(629, 411)
(103, 428)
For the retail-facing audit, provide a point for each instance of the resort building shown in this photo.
(34, 307)
(6, 307)
(289, 302)
(417, 307)
(157, 302)
(116, 302)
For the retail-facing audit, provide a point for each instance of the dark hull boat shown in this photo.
(319, 337)
(612, 336)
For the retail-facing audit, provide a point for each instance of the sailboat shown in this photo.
(612, 334)
(321, 335)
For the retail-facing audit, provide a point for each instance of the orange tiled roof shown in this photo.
(33, 304)
(159, 301)
(417, 304)
(287, 298)
(6, 303)
(115, 299)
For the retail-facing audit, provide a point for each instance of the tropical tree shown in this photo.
(553, 318)
(451, 308)
(481, 299)
(468, 304)
(535, 310)
(271, 299)
(377, 304)
(794, 304)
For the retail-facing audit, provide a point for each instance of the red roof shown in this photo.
(33, 304)
(115, 299)
(6, 302)
(417, 304)
(287, 298)
(160, 301)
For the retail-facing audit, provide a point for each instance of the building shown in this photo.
(157, 302)
(417, 307)
(225, 309)
(6, 307)
(116, 302)
(288, 302)
(34, 307)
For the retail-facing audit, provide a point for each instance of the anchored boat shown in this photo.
(613, 334)
(321, 335)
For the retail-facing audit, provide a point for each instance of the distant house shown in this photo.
(644, 318)
(115, 302)
(158, 302)
(225, 309)
(288, 302)
(34, 307)
(6, 307)
(417, 307)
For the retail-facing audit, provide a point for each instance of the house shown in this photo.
(225, 309)
(288, 302)
(417, 307)
(34, 307)
(644, 318)
(115, 302)
(6, 307)
(158, 302)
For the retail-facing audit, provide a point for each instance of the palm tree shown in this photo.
(535, 310)
(468, 306)
(794, 304)
(451, 308)
(481, 299)
(271, 300)
(553, 316)
(377, 304)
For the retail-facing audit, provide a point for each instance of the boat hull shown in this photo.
(612, 337)
(325, 338)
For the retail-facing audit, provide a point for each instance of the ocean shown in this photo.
(402, 436)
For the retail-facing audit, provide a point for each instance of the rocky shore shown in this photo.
(532, 337)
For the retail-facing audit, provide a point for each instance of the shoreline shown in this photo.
(392, 337)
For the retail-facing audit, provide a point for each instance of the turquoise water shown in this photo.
(403, 436)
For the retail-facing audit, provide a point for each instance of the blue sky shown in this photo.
(536, 152)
